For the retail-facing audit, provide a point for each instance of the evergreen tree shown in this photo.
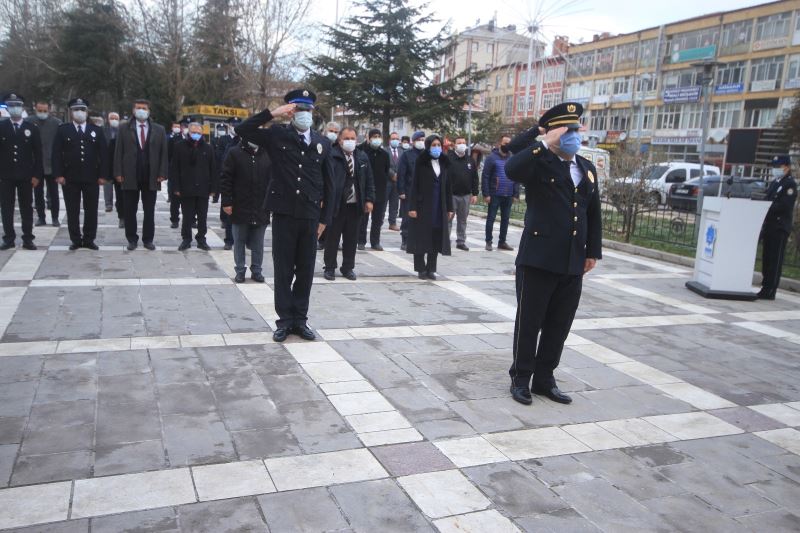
(213, 54)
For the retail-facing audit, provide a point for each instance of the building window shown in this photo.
(772, 28)
(648, 52)
(510, 79)
(509, 105)
(766, 73)
(578, 91)
(726, 114)
(793, 73)
(731, 73)
(644, 118)
(735, 38)
(760, 117)
(691, 115)
(625, 56)
(598, 119)
(619, 119)
(582, 64)
(644, 84)
(549, 100)
(490, 48)
(602, 87)
(605, 61)
(476, 47)
(554, 73)
(622, 86)
(692, 39)
(669, 117)
(497, 81)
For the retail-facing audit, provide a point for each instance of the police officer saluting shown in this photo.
(300, 197)
(80, 165)
(561, 242)
(21, 171)
(782, 192)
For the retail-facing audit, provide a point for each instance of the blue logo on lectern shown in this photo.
(711, 238)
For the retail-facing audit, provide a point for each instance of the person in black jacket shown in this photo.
(194, 171)
(21, 170)
(561, 242)
(80, 165)
(300, 200)
(380, 164)
(464, 178)
(354, 196)
(243, 185)
(175, 136)
(405, 178)
(782, 192)
(430, 208)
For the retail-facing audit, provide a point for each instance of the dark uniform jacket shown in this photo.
(463, 175)
(562, 222)
(783, 194)
(301, 184)
(111, 142)
(80, 159)
(380, 162)
(405, 169)
(20, 154)
(193, 169)
(125, 151)
(47, 132)
(364, 182)
(243, 184)
(421, 199)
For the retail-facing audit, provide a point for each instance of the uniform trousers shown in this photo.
(294, 252)
(378, 212)
(89, 192)
(52, 198)
(773, 248)
(405, 220)
(392, 201)
(546, 306)
(130, 206)
(24, 193)
(345, 226)
(191, 207)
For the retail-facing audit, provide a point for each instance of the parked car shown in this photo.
(683, 196)
(658, 179)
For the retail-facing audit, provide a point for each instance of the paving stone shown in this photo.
(417, 403)
(11, 429)
(8, 454)
(657, 455)
(444, 429)
(323, 469)
(36, 504)
(379, 506)
(235, 515)
(185, 398)
(197, 439)
(555, 522)
(747, 419)
(489, 520)
(22, 368)
(129, 457)
(126, 388)
(632, 477)
(231, 480)
(70, 439)
(780, 520)
(690, 513)
(444, 493)
(267, 442)
(120, 363)
(31, 469)
(162, 520)
(514, 490)
(72, 526)
(318, 427)
(129, 422)
(302, 511)
(411, 458)
(559, 470)
(62, 414)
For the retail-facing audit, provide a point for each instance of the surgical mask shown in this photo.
(176, 131)
(141, 114)
(114, 123)
(406, 146)
(376, 142)
(196, 136)
(419, 145)
(504, 148)
(303, 120)
(394, 143)
(332, 136)
(777, 172)
(436, 151)
(570, 142)
(15, 111)
(79, 116)
(42, 116)
(253, 146)
(349, 145)
(461, 148)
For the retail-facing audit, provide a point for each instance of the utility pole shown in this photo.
(533, 29)
(707, 78)
(470, 90)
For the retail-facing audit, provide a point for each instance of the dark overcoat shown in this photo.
(420, 197)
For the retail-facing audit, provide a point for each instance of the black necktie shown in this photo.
(16, 128)
(302, 139)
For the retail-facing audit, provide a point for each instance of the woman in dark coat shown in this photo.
(430, 208)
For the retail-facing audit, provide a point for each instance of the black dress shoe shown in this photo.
(29, 245)
(258, 278)
(7, 246)
(121, 224)
(422, 275)
(431, 276)
(239, 278)
(362, 246)
(90, 245)
(174, 225)
(330, 275)
(403, 247)
(132, 246)
(521, 394)
(377, 248)
(554, 393)
(184, 245)
(320, 245)
(462, 247)
(280, 334)
(349, 274)
(56, 224)
(305, 332)
(203, 245)
(766, 295)
(227, 246)
(149, 246)
(74, 246)
(41, 222)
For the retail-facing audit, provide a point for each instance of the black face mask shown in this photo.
(504, 148)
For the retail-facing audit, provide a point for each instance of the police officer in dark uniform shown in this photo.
(561, 242)
(782, 192)
(174, 138)
(80, 165)
(300, 197)
(21, 170)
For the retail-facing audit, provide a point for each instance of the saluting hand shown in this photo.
(553, 137)
(284, 111)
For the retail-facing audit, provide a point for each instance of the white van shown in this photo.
(660, 177)
(601, 160)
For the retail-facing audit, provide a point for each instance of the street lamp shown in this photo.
(470, 90)
(707, 77)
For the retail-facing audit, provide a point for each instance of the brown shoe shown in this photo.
(394, 227)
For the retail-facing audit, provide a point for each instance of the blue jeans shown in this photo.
(503, 203)
(253, 237)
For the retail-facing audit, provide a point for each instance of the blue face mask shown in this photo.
(394, 143)
(303, 120)
(436, 151)
(195, 136)
(570, 142)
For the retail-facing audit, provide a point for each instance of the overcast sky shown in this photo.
(578, 19)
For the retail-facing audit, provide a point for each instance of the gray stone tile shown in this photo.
(163, 520)
(178, 370)
(777, 521)
(559, 470)
(56, 389)
(197, 439)
(515, 490)
(119, 363)
(267, 442)
(62, 414)
(251, 413)
(58, 440)
(319, 428)
(444, 429)
(302, 511)
(129, 458)
(781, 490)
(11, 429)
(21, 368)
(657, 455)
(291, 388)
(630, 476)
(126, 388)
(185, 398)
(411, 458)
(379, 506)
(690, 513)
(70, 526)
(128, 422)
(417, 403)
(787, 464)
(8, 453)
(747, 419)
(57, 467)
(557, 522)
(225, 516)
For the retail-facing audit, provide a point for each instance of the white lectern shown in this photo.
(726, 248)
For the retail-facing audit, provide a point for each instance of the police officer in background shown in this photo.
(21, 171)
(782, 192)
(562, 241)
(300, 197)
(80, 165)
(48, 124)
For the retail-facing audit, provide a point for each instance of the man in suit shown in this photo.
(21, 170)
(300, 197)
(782, 192)
(175, 136)
(48, 125)
(561, 242)
(379, 162)
(140, 165)
(112, 191)
(395, 150)
(80, 164)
